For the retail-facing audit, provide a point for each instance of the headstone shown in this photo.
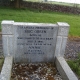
(34, 42)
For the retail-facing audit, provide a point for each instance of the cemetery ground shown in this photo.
(31, 15)
(36, 16)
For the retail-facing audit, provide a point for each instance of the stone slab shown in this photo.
(58, 46)
(6, 69)
(7, 27)
(8, 45)
(34, 42)
(63, 46)
(63, 29)
(64, 69)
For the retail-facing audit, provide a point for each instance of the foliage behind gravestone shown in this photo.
(50, 7)
(40, 6)
(17, 3)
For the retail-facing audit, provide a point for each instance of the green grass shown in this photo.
(28, 15)
(1, 63)
(75, 65)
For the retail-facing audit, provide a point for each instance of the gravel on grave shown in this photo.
(35, 71)
(72, 48)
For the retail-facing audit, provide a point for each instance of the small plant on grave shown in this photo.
(75, 65)
(1, 63)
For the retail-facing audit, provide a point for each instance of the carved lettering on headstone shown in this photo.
(36, 41)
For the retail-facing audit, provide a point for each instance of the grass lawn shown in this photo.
(75, 65)
(28, 15)
(1, 63)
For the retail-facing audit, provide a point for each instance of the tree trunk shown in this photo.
(17, 3)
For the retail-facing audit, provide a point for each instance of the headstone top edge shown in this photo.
(35, 24)
(7, 22)
(63, 24)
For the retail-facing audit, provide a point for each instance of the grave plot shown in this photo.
(35, 71)
(33, 43)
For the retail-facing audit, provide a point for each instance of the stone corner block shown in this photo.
(7, 22)
(63, 29)
(64, 70)
(7, 27)
(64, 24)
(6, 69)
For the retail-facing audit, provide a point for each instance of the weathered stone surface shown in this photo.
(6, 69)
(34, 42)
(63, 29)
(63, 46)
(8, 45)
(7, 27)
(58, 46)
(61, 38)
(64, 69)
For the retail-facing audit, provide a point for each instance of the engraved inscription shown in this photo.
(34, 39)
(35, 43)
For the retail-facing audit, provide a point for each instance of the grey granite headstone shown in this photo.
(34, 42)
